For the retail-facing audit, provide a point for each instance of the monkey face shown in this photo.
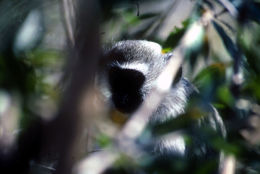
(131, 68)
(126, 85)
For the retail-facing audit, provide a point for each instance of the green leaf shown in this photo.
(148, 15)
(103, 140)
(229, 148)
(209, 79)
(252, 88)
(44, 58)
(224, 96)
(175, 36)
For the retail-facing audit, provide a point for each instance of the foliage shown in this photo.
(30, 94)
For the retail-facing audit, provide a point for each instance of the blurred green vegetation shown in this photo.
(30, 74)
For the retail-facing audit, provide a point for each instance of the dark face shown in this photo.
(125, 85)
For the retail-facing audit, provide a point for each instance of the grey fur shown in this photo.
(150, 62)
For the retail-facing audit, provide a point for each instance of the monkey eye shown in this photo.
(125, 79)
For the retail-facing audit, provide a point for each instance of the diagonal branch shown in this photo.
(135, 126)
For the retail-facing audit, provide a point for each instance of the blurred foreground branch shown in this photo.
(229, 165)
(83, 55)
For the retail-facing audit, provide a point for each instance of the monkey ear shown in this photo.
(127, 76)
(167, 56)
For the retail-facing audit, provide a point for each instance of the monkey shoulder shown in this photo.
(177, 103)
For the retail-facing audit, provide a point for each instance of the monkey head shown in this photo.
(132, 68)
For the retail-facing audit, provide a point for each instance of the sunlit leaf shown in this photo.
(227, 41)
(175, 36)
(103, 140)
(225, 96)
(130, 18)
